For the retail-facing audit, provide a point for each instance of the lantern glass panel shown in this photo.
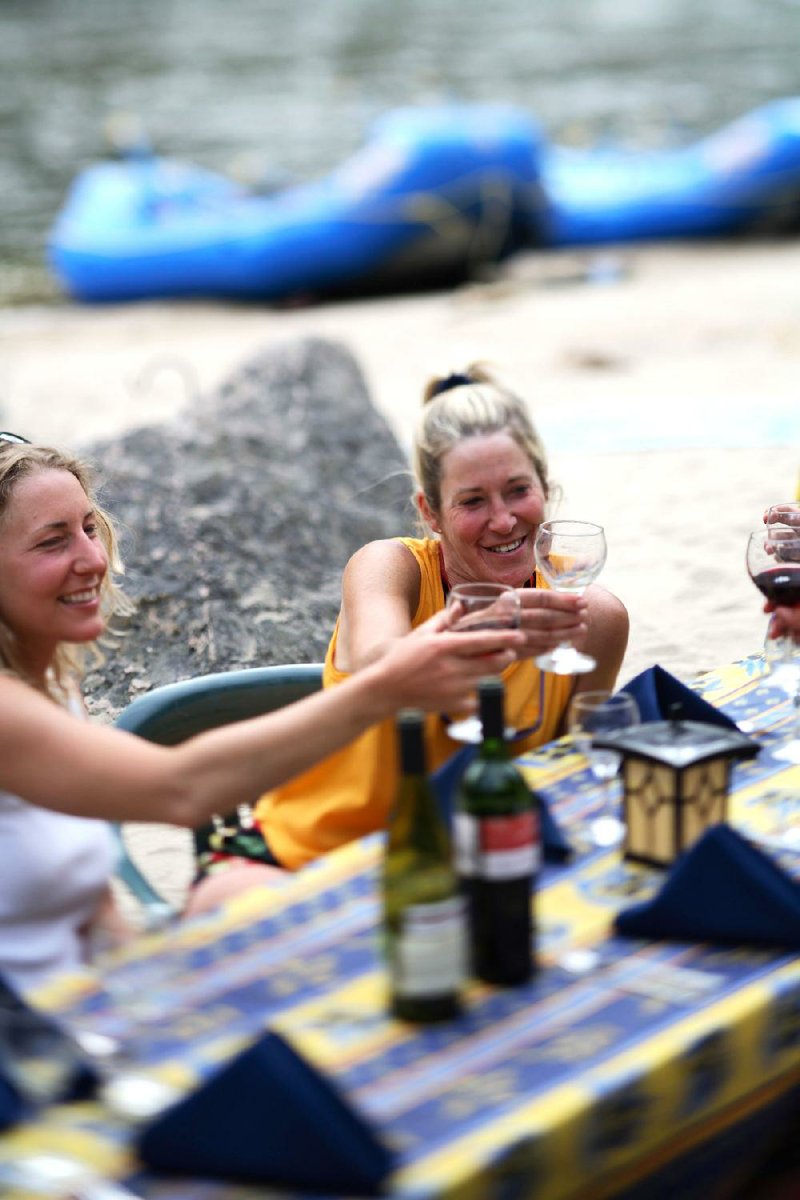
(705, 794)
(649, 810)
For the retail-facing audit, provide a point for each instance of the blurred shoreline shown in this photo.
(275, 94)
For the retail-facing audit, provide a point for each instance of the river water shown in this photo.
(285, 89)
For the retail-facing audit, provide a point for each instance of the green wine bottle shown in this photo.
(497, 852)
(424, 912)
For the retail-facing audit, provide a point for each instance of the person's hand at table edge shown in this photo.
(436, 669)
(785, 620)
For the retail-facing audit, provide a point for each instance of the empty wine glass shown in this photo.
(480, 606)
(46, 1064)
(130, 1085)
(790, 750)
(600, 712)
(38, 1056)
(55, 1174)
(782, 659)
(570, 556)
(782, 664)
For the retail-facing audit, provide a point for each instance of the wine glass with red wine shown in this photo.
(773, 563)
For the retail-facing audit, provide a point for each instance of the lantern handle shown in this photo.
(675, 711)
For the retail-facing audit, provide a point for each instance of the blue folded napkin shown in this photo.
(723, 889)
(268, 1117)
(656, 692)
(445, 780)
(12, 1107)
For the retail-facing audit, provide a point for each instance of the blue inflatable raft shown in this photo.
(433, 194)
(745, 178)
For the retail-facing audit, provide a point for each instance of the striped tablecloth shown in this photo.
(651, 1074)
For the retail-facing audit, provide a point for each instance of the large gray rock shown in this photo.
(239, 517)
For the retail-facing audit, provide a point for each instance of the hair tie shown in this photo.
(457, 379)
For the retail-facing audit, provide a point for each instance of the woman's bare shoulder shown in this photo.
(605, 605)
(28, 722)
(380, 594)
(14, 692)
(607, 639)
(386, 559)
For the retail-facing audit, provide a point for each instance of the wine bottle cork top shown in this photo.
(410, 716)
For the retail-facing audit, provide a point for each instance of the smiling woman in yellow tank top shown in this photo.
(482, 491)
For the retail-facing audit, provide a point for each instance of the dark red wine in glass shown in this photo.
(773, 563)
(780, 584)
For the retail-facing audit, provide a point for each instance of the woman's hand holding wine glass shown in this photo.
(786, 513)
(483, 606)
(570, 555)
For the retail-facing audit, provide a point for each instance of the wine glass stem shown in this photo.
(609, 796)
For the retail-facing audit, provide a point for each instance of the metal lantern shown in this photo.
(675, 776)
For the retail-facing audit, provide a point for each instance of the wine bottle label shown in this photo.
(431, 951)
(497, 847)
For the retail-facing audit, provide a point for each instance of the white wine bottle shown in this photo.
(497, 852)
(423, 909)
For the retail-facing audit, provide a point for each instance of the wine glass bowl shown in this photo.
(484, 606)
(480, 606)
(570, 555)
(773, 562)
(601, 712)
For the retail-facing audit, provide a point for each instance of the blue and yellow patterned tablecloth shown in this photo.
(654, 1068)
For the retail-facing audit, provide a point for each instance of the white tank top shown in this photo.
(54, 870)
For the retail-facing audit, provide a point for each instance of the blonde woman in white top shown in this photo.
(58, 556)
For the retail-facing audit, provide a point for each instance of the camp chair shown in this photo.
(170, 714)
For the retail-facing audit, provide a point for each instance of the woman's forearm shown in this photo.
(49, 758)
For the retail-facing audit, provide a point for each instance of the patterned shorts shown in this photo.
(227, 841)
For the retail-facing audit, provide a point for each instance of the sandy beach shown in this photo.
(664, 380)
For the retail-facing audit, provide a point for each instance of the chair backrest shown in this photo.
(177, 711)
(172, 713)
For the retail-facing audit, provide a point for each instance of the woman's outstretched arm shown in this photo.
(50, 759)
